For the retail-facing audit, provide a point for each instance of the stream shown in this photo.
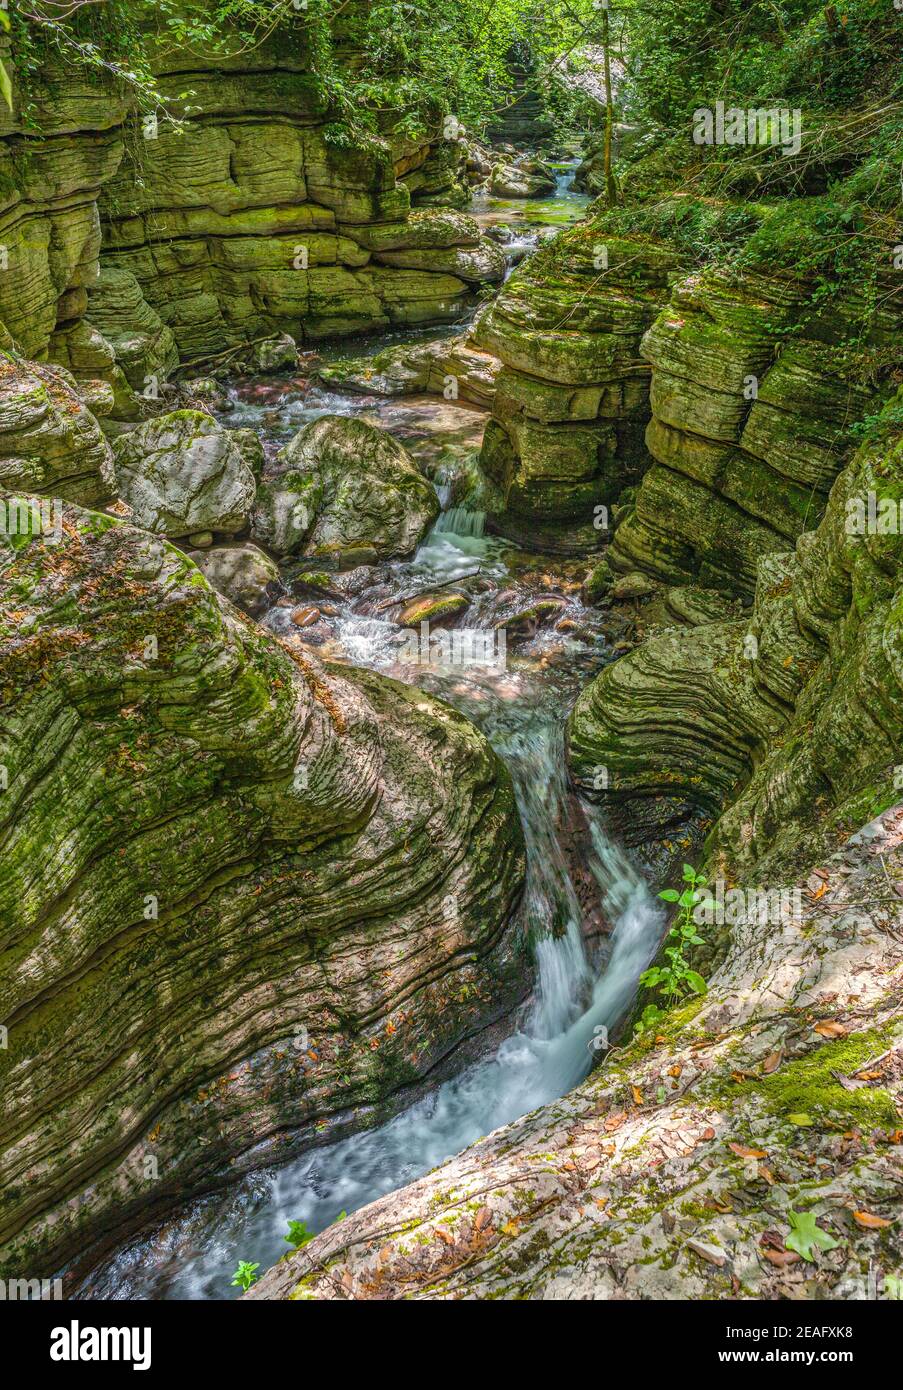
(584, 978)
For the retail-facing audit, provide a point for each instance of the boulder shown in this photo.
(182, 473)
(530, 180)
(242, 573)
(366, 495)
(284, 511)
(276, 354)
(50, 442)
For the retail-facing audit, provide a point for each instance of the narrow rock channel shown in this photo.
(591, 922)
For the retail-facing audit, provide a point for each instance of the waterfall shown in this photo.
(461, 521)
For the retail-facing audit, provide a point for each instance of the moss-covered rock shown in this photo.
(359, 490)
(245, 898)
(183, 472)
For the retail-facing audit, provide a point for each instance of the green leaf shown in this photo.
(696, 982)
(6, 87)
(806, 1236)
(245, 1274)
(298, 1234)
(800, 1119)
(689, 874)
(670, 895)
(4, 20)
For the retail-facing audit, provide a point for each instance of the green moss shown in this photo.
(808, 1085)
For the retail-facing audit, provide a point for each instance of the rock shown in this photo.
(571, 400)
(367, 499)
(50, 442)
(276, 354)
(201, 540)
(207, 390)
(284, 511)
(438, 609)
(143, 344)
(243, 573)
(182, 473)
(258, 851)
(597, 583)
(756, 720)
(633, 586)
(448, 367)
(305, 617)
(529, 180)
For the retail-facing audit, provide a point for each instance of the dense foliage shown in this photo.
(385, 65)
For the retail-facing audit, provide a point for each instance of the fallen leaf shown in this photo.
(772, 1062)
(482, 1218)
(445, 1235)
(781, 1258)
(829, 1028)
(871, 1222)
(615, 1121)
(801, 1120)
(806, 1235)
(708, 1133)
(510, 1228)
(743, 1152)
(637, 1095)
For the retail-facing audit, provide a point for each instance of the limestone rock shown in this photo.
(276, 354)
(243, 573)
(219, 858)
(50, 442)
(143, 344)
(183, 472)
(439, 367)
(365, 491)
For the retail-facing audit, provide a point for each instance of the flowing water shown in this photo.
(584, 981)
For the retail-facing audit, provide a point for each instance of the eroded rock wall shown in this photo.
(571, 402)
(238, 211)
(247, 900)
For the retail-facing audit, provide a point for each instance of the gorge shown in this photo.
(430, 591)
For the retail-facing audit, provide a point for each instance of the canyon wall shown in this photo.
(247, 902)
(234, 211)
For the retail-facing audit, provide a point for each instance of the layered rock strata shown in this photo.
(247, 901)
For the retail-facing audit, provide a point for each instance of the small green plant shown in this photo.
(298, 1234)
(806, 1236)
(675, 979)
(245, 1274)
